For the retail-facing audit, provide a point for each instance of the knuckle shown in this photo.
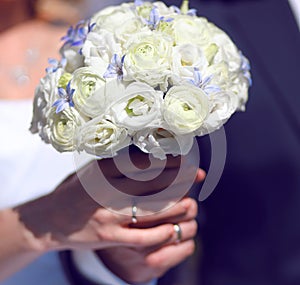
(104, 235)
(154, 260)
(103, 216)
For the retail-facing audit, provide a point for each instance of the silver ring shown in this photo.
(178, 231)
(133, 217)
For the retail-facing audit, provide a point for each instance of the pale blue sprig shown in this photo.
(138, 3)
(203, 83)
(190, 12)
(55, 64)
(245, 68)
(66, 98)
(115, 68)
(155, 19)
(76, 36)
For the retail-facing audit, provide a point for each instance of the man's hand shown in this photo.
(138, 264)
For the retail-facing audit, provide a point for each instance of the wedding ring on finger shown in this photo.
(178, 232)
(133, 217)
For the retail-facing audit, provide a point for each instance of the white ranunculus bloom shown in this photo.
(147, 59)
(220, 75)
(63, 128)
(139, 106)
(113, 17)
(99, 48)
(223, 105)
(160, 142)
(87, 81)
(102, 137)
(185, 108)
(163, 9)
(45, 95)
(128, 28)
(227, 50)
(189, 29)
(185, 58)
(73, 57)
(240, 88)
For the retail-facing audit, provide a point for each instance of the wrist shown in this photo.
(26, 238)
(16, 238)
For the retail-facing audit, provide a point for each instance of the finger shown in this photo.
(188, 231)
(143, 237)
(126, 163)
(169, 256)
(200, 176)
(145, 183)
(146, 217)
(184, 210)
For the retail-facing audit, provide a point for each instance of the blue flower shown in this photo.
(55, 64)
(245, 68)
(66, 98)
(155, 19)
(190, 12)
(138, 3)
(203, 83)
(76, 36)
(115, 68)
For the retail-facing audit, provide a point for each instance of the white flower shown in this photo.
(185, 108)
(101, 137)
(227, 50)
(99, 48)
(185, 58)
(147, 59)
(189, 29)
(163, 9)
(87, 84)
(45, 95)
(63, 128)
(73, 57)
(113, 17)
(240, 88)
(139, 106)
(220, 75)
(223, 105)
(161, 142)
(127, 29)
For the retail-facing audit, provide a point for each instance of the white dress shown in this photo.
(29, 168)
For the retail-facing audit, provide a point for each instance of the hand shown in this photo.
(140, 264)
(69, 219)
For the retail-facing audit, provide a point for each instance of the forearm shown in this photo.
(18, 246)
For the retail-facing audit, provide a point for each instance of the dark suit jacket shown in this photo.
(249, 230)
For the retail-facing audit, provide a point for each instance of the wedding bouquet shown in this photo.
(140, 73)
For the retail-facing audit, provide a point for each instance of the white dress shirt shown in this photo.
(295, 6)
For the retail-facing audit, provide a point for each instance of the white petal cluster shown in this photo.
(146, 74)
